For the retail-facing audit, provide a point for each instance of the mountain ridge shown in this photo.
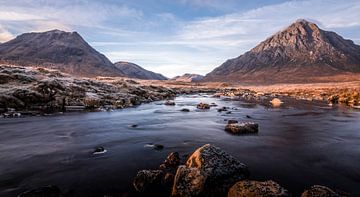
(299, 52)
(56, 49)
(135, 71)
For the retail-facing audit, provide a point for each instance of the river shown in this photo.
(298, 145)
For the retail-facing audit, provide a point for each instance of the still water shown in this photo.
(298, 145)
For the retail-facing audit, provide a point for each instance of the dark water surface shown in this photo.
(297, 147)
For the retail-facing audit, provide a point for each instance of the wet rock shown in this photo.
(249, 188)
(203, 106)
(185, 110)
(229, 112)
(171, 103)
(247, 116)
(172, 160)
(319, 191)
(209, 171)
(213, 105)
(99, 150)
(48, 191)
(276, 102)
(242, 128)
(232, 121)
(134, 125)
(222, 109)
(147, 180)
(158, 146)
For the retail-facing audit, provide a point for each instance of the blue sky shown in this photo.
(174, 37)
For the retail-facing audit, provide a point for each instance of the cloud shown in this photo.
(42, 15)
(5, 35)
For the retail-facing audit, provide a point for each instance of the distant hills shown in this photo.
(188, 78)
(67, 52)
(300, 53)
(135, 71)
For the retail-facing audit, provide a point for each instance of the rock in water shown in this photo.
(48, 191)
(276, 102)
(209, 171)
(257, 188)
(319, 191)
(242, 128)
(147, 180)
(185, 110)
(99, 150)
(232, 121)
(172, 160)
(203, 106)
(172, 103)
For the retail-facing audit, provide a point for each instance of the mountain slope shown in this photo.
(135, 71)
(65, 51)
(300, 53)
(188, 78)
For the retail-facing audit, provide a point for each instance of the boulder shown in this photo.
(171, 161)
(48, 191)
(209, 171)
(147, 180)
(232, 121)
(185, 110)
(319, 191)
(242, 128)
(250, 188)
(203, 106)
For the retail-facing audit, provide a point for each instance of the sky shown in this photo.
(174, 37)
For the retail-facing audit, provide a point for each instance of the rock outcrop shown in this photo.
(40, 89)
(209, 171)
(301, 53)
(250, 188)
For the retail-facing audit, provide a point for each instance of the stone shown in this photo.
(232, 121)
(172, 160)
(209, 171)
(222, 109)
(242, 128)
(158, 146)
(48, 191)
(319, 191)
(276, 102)
(99, 150)
(249, 188)
(203, 106)
(185, 110)
(147, 180)
(172, 103)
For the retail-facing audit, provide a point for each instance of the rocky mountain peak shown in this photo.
(300, 51)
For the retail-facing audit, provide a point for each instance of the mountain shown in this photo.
(188, 78)
(64, 51)
(300, 53)
(135, 71)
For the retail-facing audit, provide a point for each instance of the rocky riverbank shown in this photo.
(39, 91)
(345, 96)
